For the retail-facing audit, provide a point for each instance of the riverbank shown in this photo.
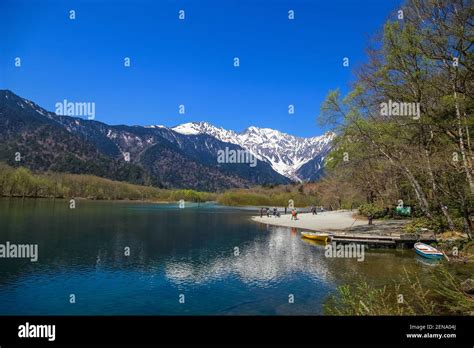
(22, 183)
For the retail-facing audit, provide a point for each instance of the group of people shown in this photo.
(314, 210)
(275, 213)
(268, 212)
(294, 213)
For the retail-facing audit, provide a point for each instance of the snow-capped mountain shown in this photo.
(186, 156)
(287, 154)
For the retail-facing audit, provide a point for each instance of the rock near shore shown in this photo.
(468, 286)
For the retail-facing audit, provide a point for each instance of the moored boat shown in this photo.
(428, 251)
(319, 236)
(314, 242)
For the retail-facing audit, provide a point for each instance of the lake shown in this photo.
(203, 259)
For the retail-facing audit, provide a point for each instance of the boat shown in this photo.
(428, 251)
(323, 237)
(314, 242)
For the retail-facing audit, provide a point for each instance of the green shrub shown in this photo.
(416, 225)
(372, 209)
(240, 198)
(440, 293)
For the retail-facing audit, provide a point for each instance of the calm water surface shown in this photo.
(174, 251)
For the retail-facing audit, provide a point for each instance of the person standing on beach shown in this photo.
(261, 212)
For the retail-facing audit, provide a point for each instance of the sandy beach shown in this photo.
(330, 220)
(340, 220)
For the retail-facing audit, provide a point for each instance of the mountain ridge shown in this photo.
(286, 153)
(184, 156)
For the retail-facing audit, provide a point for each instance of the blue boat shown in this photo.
(428, 251)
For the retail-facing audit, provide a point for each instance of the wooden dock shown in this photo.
(395, 240)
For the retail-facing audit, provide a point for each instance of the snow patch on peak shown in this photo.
(285, 153)
(190, 128)
(194, 128)
(156, 126)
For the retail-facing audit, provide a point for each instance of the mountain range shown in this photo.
(299, 159)
(185, 156)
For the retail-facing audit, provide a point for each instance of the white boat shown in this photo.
(428, 251)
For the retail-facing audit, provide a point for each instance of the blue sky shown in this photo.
(188, 62)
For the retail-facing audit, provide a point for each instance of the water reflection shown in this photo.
(261, 262)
